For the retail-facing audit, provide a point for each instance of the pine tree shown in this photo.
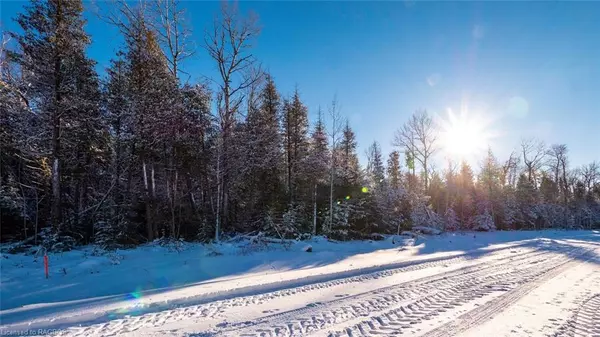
(152, 95)
(193, 154)
(393, 169)
(375, 165)
(349, 169)
(317, 165)
(295, 125)
(510, 209)
(526, 196)
(86, 141)
(464, 199)
(21, 178)
(263, 188)
(120, 122)
(489, 181)
(64, 87)
(437, 195)
(548, 189)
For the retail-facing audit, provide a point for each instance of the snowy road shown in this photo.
(551, 289)
(445, 304)
(539, 287)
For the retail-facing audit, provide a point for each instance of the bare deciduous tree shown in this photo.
(510, 170)
(558, 162)
(173, 33)
(590, 174)
(334, 131)
(418, 137)
(125, 17)
(533, 151)
(229, 43)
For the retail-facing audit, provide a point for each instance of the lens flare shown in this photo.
(465, 135)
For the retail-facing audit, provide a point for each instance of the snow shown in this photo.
(427, 230)
(157, 290)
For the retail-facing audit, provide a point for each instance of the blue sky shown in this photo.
(531, 69)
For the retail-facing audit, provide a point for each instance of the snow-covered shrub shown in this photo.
(172, 244)
(377, 237)
(106, 235)
(304, 236)
(56, 242)
(114, 257)
(255, 243)
(451, 220)
(211, 250)
(423, 216)
(483, 222)
(291, 223)
(114, 231)
(206, 231)
(348, 221)
(427, 230)
(551, 215)
(336, 226)
(289, 226)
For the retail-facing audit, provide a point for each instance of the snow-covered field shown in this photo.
(469, 284)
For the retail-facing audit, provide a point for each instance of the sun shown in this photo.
(464, 135)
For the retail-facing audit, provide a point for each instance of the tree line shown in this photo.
(141, 154)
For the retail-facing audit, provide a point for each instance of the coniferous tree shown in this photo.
(351, 199)
(393, 170)
(465, 187)
(349, 170)
(22, 180)
(264, 188)
(295, 130)
(64, 92)
(375, 168)
(153, 107)
(489, 181)
(526, 196)
(317, 165)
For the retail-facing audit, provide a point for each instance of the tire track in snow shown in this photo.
(400, 306)
(213, 309)
(485, 312)
(585, 322)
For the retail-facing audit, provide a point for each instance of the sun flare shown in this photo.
(464, 135)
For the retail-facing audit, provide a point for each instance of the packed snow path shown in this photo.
(540, 287)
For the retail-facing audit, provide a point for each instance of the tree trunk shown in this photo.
(331, 179)
(218, 203)
(426, 173)
(147, 202)
(564, 181)
(289, 159)
(315, 211)
(37, 208)
(56, 189)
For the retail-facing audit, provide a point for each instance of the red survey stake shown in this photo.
(46, 265)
